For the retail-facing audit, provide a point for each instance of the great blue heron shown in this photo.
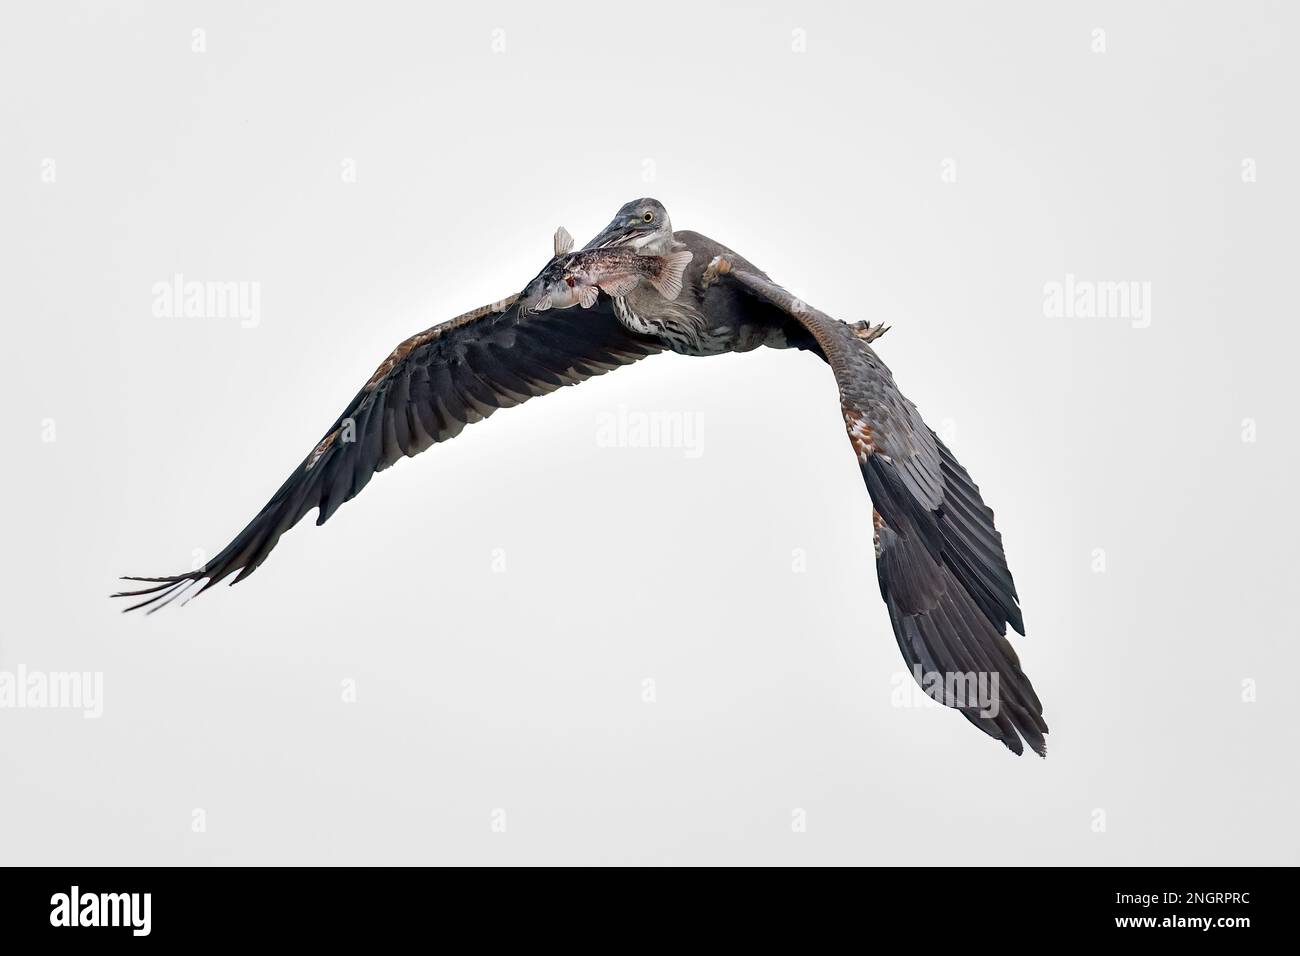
(939, 558)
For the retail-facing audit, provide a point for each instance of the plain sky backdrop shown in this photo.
(533, 645)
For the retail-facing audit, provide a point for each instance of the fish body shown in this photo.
(578, 278)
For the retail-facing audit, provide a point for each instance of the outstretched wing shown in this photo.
(939, 558)
(430, 387)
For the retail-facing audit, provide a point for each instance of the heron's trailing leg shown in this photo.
(721, 265)
(718, 266)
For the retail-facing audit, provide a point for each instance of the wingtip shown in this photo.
(164, 589)
(1033, 729)
(1015, 742)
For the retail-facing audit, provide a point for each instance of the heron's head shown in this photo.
(642, 224)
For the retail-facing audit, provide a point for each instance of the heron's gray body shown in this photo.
(705, 319)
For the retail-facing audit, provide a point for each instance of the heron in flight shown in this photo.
(939, 559)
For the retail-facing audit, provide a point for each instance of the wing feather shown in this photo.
(939, 558)
(428, 389)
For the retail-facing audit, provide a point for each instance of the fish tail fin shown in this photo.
(669, 281)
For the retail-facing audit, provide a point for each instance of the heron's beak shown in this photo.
(616, 233)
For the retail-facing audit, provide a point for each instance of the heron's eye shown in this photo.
(648, 216)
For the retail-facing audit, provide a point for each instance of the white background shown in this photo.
(522, 691)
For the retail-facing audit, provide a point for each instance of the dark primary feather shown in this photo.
(939, 558)
(431, 386)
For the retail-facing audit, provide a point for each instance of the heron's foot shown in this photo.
(718, 266)
(867, 332)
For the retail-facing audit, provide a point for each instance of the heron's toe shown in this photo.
(868, 332)
(718, 266)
